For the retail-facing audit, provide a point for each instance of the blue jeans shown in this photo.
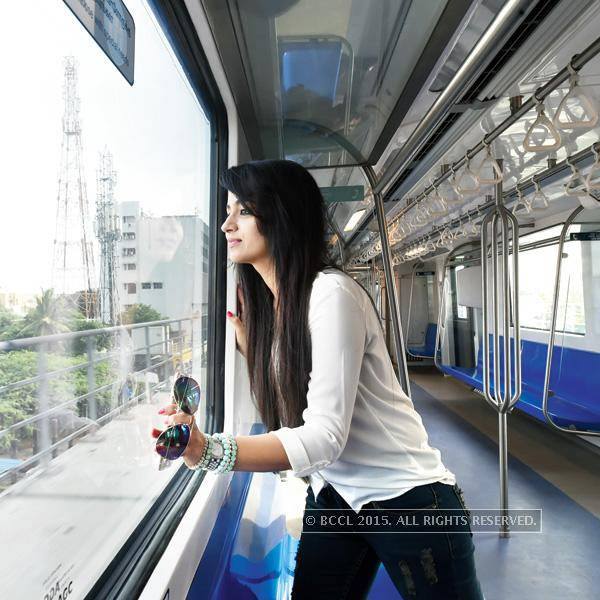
(432, 566)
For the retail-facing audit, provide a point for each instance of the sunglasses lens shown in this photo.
(172, 442)
(187, 394)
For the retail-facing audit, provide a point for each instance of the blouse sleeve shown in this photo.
(338, 335)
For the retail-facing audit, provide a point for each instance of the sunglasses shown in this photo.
(173, 441)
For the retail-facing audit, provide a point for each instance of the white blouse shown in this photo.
(361, 432)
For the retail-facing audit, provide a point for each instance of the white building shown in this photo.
(163, 262)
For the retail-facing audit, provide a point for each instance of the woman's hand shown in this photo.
(240, 328)
(195, 447)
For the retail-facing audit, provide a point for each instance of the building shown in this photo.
(163, 261)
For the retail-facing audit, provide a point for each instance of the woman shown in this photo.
(327, 393)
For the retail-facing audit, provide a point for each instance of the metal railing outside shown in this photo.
(174, 345)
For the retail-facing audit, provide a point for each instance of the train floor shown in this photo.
(547, 470)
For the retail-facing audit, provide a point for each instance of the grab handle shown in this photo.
(543, 122)
(575, 92)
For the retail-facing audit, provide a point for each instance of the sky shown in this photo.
(156, 130)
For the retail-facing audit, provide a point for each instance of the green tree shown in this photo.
(51, 314)
(102, 340)
(7, 318)
(140, 313)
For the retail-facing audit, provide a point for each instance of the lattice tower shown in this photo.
(108, 234)
(73, 270)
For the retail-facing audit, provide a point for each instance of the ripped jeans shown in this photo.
(430, 565)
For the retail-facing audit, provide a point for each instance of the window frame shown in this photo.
(128, 572)
(545, 242)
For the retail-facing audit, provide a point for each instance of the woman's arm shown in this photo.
(262, 452)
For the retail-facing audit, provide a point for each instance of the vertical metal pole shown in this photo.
(148, 364)
(392, 292)
(147, 340)
(44, 426)
(91, 379)
(503, 463)
(502, 401)
(181, 336)
(441, 321)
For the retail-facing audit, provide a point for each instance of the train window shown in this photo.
(536, 286)
(120, 175)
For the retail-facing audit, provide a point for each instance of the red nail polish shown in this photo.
(161, 411)
(229, 313)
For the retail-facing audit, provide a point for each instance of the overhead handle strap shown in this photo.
(488, 162)
(576, 186)
(567, 118)
(457, 198)
(467, 182)
(522, 206)
(438, 204)
(541, 126)
(539, 200)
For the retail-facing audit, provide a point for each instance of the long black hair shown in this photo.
(291, 215)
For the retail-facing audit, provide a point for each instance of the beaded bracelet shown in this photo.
(205, 453)
(229, 454)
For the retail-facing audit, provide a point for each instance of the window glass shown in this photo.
(103, 198)
(536, 286)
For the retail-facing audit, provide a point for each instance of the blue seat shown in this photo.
(428, 350)
(574, 381)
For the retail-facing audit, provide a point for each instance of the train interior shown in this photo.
(457, 146)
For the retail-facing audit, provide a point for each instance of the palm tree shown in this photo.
(51, 315)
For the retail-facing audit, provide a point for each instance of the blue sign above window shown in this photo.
(111, 25)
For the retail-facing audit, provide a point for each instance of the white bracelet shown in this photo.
(199, 465)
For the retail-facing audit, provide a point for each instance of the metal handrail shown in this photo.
(390, 284)
(91, 427)
(550, 350)
(418, 137)
(104, 356)
(577, 62)
(44, 415)
(501, 402)
(547, 176)
(59, 337)
(512, 14)
(441, 321)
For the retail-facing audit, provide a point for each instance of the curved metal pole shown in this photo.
(547, 416)
(441, 321)
(390, 285)
(515, 308)
(392, 292)
(503, 291)
(485, 302)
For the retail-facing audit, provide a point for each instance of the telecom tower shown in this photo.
(73, 260)
(108, 234)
